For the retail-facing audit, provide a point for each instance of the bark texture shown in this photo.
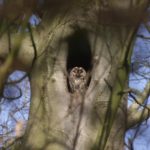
(49, 123)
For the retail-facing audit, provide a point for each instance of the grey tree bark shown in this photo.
(50, 126)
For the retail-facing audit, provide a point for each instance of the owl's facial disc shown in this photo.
(79, 72)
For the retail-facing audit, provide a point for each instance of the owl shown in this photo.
(77, 79)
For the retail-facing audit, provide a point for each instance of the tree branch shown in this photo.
(138, 117)
(143, 37)
(135, 115)
(6, 67)
(140, 99)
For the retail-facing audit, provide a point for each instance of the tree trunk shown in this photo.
(50, 125)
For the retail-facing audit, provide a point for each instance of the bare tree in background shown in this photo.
(95, 35)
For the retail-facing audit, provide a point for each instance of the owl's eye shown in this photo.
(74, 70)
(80, 70)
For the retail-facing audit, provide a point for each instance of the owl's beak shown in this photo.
(78, 75)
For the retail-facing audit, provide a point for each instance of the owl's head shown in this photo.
(78, 72)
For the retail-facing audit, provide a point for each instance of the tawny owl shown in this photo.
(77, 79)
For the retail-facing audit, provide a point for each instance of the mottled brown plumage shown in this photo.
(78, 84)
(77, 80)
